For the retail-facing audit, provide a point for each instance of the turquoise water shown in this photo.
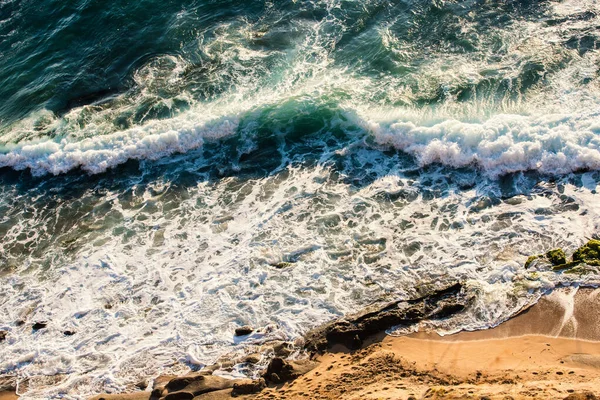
(160, 163)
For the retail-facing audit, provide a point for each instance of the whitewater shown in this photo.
(166, 178)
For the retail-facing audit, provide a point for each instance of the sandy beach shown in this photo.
(550, 351)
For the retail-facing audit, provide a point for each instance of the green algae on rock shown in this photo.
(530, 260)
(556, 257)
(566, 266)
(589, 253)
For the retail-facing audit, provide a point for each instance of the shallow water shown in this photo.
(171, 172)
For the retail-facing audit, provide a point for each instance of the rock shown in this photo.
(39, 325)
(356, 342)
(581, 396)
(281, 348)
(179, 396)
(350, 331)
(68, 333)
(3, 335)
(277, 367)
(280, 371)
(530, 260)
(19, 322)
(589, 253)
(128, 396)
(244, 330)
(224, 394)
(253, 358)
(169, 387)
(565, 266)
(556, 257)
(281, 265)
(142, 385)
(248, 386)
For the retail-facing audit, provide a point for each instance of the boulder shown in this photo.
(3, 335)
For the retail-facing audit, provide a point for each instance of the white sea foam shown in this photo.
(154, 277)
(552, 144)
(99, 153)
(166, 290)
(552, 128)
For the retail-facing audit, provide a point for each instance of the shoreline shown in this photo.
(547, 351)
(551, 350)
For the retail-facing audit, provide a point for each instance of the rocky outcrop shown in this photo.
(581, 396)
(188, 386)
(589, 253)
(555, 257)
(350, 331)
(586, 255)
(280, 370)
(248, 386)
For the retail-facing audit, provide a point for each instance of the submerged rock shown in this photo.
(530, 260)
(282, 265)
(566, 266)
(142, 385)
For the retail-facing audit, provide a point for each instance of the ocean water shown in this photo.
(170, 171)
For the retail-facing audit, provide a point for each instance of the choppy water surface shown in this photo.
(172, 171)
